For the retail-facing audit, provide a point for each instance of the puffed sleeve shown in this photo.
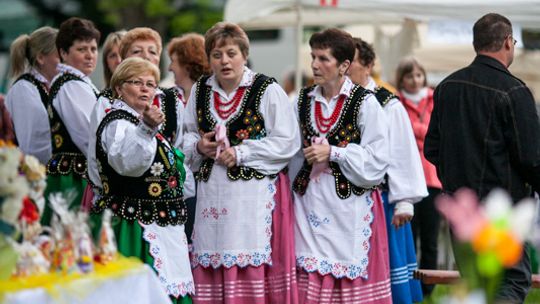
(365, 164)
(130, 149)
(74, 104)
(272, 153)
(30, 120)
(406, 181)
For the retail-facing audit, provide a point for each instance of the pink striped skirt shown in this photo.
(263, 284)
(314, 288)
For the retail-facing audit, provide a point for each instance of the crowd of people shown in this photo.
(233, 193)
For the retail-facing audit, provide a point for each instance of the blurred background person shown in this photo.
(417, 98)
(141, 177)
(405, 182)
(6, 125)
(188, 63)
(33, 61)
(340, 230)
(111, 55)
(72, 98)
(243, 250)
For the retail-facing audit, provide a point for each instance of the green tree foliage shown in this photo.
(169, 17)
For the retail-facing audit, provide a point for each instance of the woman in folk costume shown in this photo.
(33, 61)
(141, 176)
(240, 135)
(188, 63)
(405, 184)
(417, 98)
(340, 232)
(71, 100)
(144, 43)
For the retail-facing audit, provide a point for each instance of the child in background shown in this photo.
(417, 98)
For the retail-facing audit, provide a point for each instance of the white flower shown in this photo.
(33, 169)
(9, 164)
(156, 169)
(520, 217)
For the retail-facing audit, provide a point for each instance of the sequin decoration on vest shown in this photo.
(248, 123)
(344, 132)
(66, 156)
(155, 196)
(384, 96)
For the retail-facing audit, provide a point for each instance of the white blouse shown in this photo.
(74, 104)
(30, 118)
(406, 180)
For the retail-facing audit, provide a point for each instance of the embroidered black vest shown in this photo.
(156, 196)
(168, 106)
(344, 132)
(248, 123)
(42, 89)
(66, 156)
(384, 96)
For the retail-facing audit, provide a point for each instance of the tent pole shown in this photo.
(299, 38)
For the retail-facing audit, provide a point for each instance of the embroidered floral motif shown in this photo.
(213, 212)
(242, 134)
(253, 128)
(154, 189)
(172, 182)
(156, 169)
(315, 221)
(243, 259)
(336, 269)
(180, 287)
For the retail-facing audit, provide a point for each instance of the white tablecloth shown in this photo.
(138, 286)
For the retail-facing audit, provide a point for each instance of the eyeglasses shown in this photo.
(139, 84)
(514, 41)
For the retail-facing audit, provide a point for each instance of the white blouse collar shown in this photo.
(346, 89)
(247, 79)
(39, 76)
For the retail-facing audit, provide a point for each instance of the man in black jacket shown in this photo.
(484, 131)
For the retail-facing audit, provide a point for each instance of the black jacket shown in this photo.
(484, 131)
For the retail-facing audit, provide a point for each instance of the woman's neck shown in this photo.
(186, 86)
(332, 88)
(229, 85)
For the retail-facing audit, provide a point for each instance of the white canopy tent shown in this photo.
(272, 14)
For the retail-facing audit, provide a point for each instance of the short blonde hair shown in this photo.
(189, 51)
(112, 40)
(130, 68)
(223, 32)
(139, 34)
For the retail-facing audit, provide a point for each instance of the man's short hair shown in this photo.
(490, 31)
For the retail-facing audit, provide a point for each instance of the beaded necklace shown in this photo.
(323, 123)
(225, 108)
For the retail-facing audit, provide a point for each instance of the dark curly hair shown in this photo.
(366, 54)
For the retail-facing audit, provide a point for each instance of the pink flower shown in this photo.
(463, 213)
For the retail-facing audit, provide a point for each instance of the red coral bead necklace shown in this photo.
(323, 123)
(225, 108)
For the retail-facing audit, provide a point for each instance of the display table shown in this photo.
(126, 280)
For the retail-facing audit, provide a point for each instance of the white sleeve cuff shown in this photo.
(242, 152)
(404, 207)
(337, 154)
